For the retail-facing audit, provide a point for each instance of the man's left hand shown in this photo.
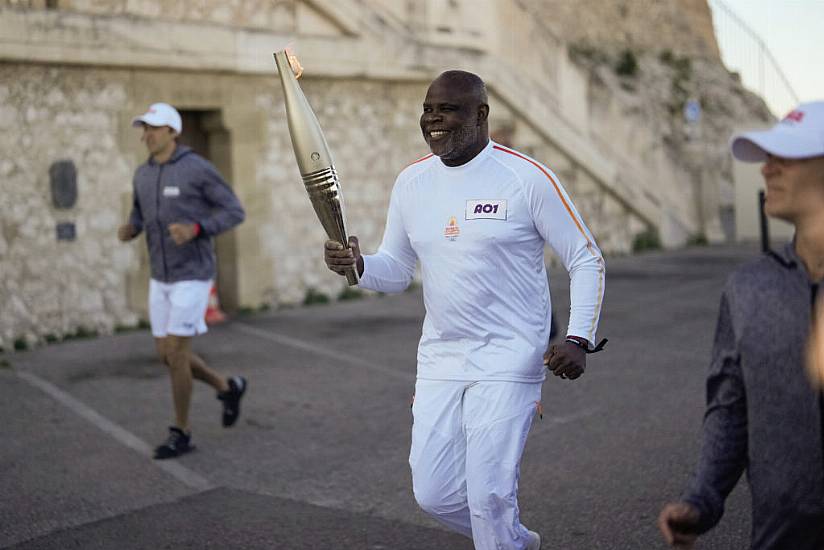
(182, 232)
(566, 360)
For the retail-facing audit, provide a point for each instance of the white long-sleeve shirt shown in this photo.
(479, 231)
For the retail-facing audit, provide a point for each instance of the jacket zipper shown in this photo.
(813, 296)
(160, 225)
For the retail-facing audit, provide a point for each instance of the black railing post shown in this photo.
(765, 229)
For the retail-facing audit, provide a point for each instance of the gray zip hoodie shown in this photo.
(185, 189)
(763, 415)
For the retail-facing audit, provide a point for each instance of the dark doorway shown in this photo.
(205, 133)
(194, 135)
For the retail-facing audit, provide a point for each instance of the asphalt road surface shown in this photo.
(319, 457)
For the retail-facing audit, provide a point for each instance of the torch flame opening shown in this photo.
(294, 64)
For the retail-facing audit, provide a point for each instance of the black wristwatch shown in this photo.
(583, 343)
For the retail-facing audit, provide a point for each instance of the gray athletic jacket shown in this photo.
(185, 189)
(763, 415)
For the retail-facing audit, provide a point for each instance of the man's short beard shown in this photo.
(462, 139)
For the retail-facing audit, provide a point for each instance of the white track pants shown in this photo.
(467, 441)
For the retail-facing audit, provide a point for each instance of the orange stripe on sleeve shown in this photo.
(600, 299)
(557, 190)
(420, 160)
(591, 334)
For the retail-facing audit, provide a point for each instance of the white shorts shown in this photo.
(178, 308)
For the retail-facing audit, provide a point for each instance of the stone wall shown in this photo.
(372, 130)
(51, 287)
(272, 15)
(645, 59)
(616, 142)
(613, 223)
(683, 27)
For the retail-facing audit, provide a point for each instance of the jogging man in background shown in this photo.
(181, 202)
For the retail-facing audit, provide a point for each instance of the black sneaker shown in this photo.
(178, 443)
(231, 400)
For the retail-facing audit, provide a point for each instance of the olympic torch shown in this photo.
(314, 158)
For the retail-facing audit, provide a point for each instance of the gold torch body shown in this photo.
(314, 159)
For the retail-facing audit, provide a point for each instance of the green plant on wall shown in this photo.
(586, 53)
(81, 333)
(680, 86)
(697, 239)
(627, 64)
(349, 293)
(314, 296)
(646, 240)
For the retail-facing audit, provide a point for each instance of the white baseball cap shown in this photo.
(799, 135)
(160, 114)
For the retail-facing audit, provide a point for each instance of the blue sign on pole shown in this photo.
(692, 110)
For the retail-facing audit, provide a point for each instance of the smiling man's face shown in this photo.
(453, 121)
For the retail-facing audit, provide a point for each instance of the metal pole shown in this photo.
(765, 230)
(761, 82)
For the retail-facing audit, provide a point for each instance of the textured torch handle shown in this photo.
(323, 188)
(352, 276)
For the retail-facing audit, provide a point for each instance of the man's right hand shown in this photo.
(338, 258)
(126, 232)
(678, 522)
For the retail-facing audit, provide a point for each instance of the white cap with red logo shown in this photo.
(800, 135)
(160, 114)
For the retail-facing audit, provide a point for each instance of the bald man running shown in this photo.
(477, 215)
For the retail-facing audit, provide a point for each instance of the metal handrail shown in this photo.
(737, 53)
